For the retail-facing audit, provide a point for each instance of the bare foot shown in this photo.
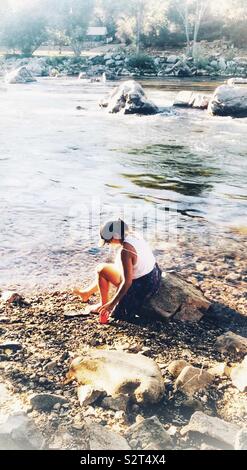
(84, 294)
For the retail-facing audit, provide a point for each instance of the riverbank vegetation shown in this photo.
(141, 24)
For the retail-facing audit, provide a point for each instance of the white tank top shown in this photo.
(145, 259)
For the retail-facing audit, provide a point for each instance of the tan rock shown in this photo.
(238, 375)
(87, 394)
(231, 342)
(193, 379)
(176, 367)
(118, 373)
(219, 370)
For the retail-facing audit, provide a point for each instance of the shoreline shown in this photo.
(49, 342)
(122, 64)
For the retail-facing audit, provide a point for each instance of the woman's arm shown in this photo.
(127, 262)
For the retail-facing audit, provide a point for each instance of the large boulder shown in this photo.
(215, 428)
(20, 75)
(179, 299)
(229, 101)
(18, 432)
(119, 373)
(129, 98)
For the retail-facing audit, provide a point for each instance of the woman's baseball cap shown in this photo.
(113, 229)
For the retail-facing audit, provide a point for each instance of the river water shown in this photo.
(63, 170)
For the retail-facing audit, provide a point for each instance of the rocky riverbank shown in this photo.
(119, 64)
(38, 344)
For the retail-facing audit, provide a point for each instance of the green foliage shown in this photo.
(141, 61)
(26, 24)
(23, 32)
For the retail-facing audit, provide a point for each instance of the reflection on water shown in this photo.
(174, 168)
(56, 159)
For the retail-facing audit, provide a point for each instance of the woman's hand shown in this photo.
(108, 307)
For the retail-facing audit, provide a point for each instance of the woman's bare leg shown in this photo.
(85, 294)
(107, 274)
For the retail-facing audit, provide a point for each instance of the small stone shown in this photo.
(87, 394)
(231, 342)
(57, 407)
(12, 346)
(134, 444)
(172, 431)
(176, 367)
(46, 401)
(139, 419)
(50, 365)
(238, 375)
(116, 403)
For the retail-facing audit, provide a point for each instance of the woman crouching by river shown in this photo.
(135, 274)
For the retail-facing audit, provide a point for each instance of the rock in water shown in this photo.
(237, 81)
(215, 428)
(129, 98)
(150, 434)
(178, 299)
(229, 101)
(101, 438)
(189, 99)
(20, 75)
(118, 373)
(230, 342)
(19, 433)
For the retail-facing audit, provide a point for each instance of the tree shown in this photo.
(191, 14)
(73, 20)
(24, 30)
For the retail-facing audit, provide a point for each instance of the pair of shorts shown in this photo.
(141, 290)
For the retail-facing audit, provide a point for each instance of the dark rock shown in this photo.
(178, 299)
(12, 346)
(117, 404)
(229, 101)
(129, 98)
(150, 433)
(46, 401)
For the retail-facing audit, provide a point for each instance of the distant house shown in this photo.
(97, 33)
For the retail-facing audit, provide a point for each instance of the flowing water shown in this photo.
(63, 170)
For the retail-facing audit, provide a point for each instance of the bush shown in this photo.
(236, 32)
(141, 61)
